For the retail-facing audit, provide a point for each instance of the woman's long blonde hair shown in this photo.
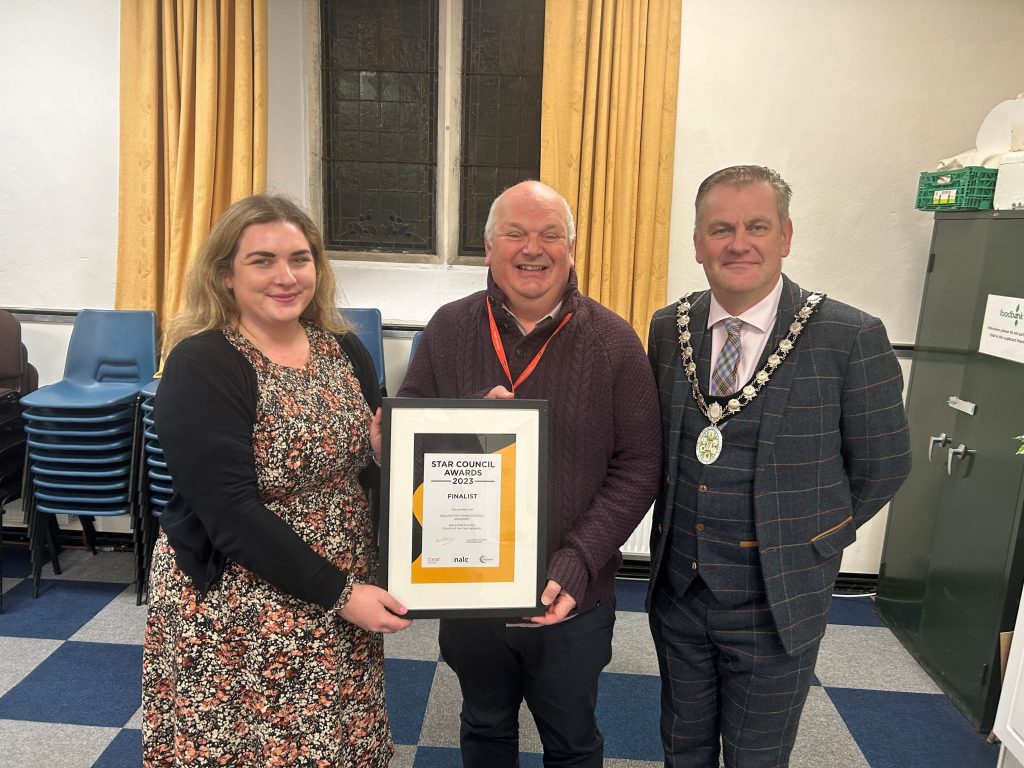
(209, 304)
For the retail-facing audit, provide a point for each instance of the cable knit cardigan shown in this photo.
(604, 432)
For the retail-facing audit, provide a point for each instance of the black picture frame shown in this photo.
(464, 506)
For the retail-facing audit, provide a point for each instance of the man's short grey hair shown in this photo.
(570, 225)
(743, 176)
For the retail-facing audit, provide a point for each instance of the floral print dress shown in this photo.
(249, 676)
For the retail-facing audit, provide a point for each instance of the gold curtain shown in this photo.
(193, 123)
(611, 69)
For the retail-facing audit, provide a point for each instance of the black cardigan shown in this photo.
(205, 411)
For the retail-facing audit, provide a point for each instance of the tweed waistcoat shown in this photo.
(713, 531)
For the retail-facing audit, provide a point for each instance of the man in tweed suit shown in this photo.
(783, 431)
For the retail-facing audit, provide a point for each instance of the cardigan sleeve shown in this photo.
(362, 366)
(205, 411)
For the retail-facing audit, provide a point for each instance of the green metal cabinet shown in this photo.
(953, 561)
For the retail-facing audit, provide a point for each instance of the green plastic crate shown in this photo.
(965, 189)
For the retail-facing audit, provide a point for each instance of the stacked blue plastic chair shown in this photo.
(83, 430)
(412, 349)
(370, 330)
(154, 489)
(415, 345)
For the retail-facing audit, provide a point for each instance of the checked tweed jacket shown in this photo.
(833, 448)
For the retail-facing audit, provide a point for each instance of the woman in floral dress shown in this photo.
(263, 641)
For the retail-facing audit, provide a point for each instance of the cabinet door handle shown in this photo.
(939, 440)
(960, 451)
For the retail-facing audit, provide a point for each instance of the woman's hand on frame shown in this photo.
(375, 610)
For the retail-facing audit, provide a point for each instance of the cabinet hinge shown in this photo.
(931, 262)
(984, 675)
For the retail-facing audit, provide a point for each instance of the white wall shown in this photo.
(288, 158)
(58, 163)
(58, 152)
(850, 100)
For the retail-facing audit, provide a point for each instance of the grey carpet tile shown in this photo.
(51, 745)
(419, 641)
(6, 584)
(20, 656)
(823, 738)
(136, 721)
(631, 764)
(121, 621)
(870, 658)
(633, 647)
(404, 757)
(441, 721)
(82, 565)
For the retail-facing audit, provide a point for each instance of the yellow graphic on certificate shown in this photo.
(464, 508)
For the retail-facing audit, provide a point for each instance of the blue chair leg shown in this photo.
(152, 531)
(39, 532)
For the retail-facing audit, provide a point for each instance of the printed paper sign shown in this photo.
(1002, 334)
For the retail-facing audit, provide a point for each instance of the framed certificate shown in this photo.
(463, 506)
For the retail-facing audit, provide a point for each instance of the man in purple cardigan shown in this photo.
(531, 334)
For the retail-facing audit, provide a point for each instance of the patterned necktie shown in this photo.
(723, 378)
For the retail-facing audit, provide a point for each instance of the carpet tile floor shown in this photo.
(70, 667)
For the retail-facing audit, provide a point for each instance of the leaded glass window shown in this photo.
(379, 123)
(384, 169)
(503, 58)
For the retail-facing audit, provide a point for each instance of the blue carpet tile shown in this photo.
(408, 684)
(438, 757)
(881, 720)
(124, 750)
(63, 607)
(72, 665)
(630, 595)
(82, 684)
(854, 611)
(629, 738)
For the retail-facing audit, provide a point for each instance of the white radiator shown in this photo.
(638, 545)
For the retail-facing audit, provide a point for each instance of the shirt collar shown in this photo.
(761, 316)
(552, 314)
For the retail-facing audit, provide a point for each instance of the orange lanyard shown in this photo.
(499, 348)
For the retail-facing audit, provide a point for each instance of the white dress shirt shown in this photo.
(758, 322)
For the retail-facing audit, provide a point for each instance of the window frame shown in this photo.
(449, 144)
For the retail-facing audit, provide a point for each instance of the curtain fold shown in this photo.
(193, 135)
(611, 70)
